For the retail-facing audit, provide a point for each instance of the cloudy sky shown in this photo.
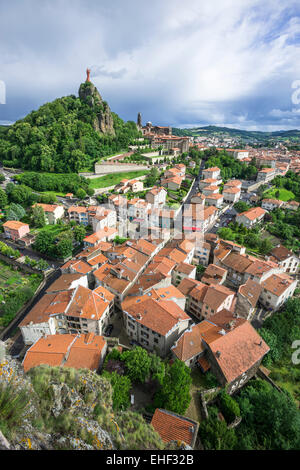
(194, 62)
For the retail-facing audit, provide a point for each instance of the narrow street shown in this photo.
(194, 190)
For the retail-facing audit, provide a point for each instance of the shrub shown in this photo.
(12, 408)
(229, 407)
(211, 380)
(121, 386)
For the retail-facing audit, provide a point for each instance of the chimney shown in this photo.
(218, 354)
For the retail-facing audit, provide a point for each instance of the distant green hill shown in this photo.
(247, 135)
(66, 135)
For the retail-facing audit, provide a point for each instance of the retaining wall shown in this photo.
(117, 167)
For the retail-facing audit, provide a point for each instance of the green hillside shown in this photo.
(62, 137)
(238, 133)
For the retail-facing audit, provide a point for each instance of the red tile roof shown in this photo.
(47, 207)
(14, 224)
(172, 427)
(79, 352)
(64, 282)
(238, 350)
(253, 213)
(160, 316)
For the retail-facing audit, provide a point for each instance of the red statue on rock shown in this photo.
(88, 72)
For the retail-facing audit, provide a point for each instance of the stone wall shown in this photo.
(104, 190)
(263, 376)
(117, 167)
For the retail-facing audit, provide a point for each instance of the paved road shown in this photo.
(194, 190)
(259, 316)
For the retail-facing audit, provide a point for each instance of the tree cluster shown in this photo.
(60, 137)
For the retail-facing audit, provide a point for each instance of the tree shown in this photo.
(157, 368)
(42, 265)
(81, 194)
(120, 240)
(226, 233)
(44, 242)
(229, 407)
(38, 216)
(271, 339)
(200, 269)
(174, 394)
(11, 215)
(90, 191)
(152, 178)
(48, 198)
(265, 246)
(241, 206)
(121, 386)
(3, 199)
(64, 248)
(270, 417)
(20, 195)
(137, 363)
(215, 435)
(252, 239)
(79, 232)
(60, 137)
(15, 212)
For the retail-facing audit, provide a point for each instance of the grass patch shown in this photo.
(287, 376)
(11, 278)
(53, 193)
(55, 230)
(284, 194)
(115, 178)
(200, 382)
(16, 288)
(116, 154)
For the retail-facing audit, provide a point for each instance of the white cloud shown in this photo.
(177, 61)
